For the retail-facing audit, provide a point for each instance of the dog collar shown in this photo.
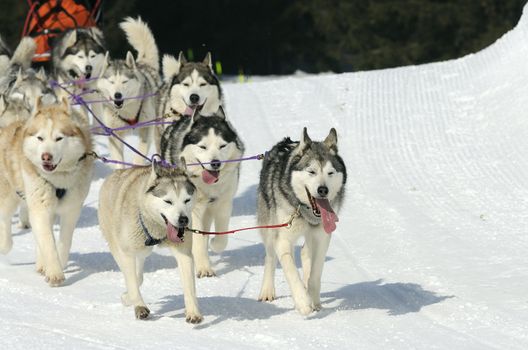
(134, 121)
(149, 241)
(59, 192)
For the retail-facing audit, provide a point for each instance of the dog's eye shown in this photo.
(187, 200)
(125, 81)
(222, 146)
(59, 138)
(186, 84)
(202, 84)
(168, 202)
(202, 147)
(331, 173)
(40, 138)
(311, 172)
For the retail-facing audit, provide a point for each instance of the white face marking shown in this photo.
(119, 83)
(195, 84)
(314, 176)
(81, 60)
(172, 202)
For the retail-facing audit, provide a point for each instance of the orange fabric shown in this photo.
(47, 17)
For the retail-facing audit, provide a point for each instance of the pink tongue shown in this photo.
(327, 215)
(209, 177)
(188, 111)
(172, 233)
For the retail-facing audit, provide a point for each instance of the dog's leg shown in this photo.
(284, 250)
(41, 220)
(23, 216)
(306, 260)
(127, 264)
(200, 244)
(116, 151)
(39, 263)
(68, 220)
(140, 265)
(144, 144)
(8, 206)
(319, 248)
(183, 254)
(219, 242)
(267, 292)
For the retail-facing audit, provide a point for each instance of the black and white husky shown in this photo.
(132, 77)
(207, 141)
(305, 181)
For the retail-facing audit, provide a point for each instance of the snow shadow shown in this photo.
(88, 217)
(396, 298)
(246, 203)
(101, 170)
(223, 308)
(82, 265)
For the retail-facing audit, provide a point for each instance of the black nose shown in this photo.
(88, 68)
(215, 164)
(118, 96)
(183, 221)
(322, 191)
(194, 98)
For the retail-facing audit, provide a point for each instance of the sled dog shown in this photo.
(132, 77)
(142, 207)
(207, 141)
(304, 181)
(46, 163)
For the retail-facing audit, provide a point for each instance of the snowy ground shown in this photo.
(430, 252)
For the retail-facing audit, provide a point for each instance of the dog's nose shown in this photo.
(215, 164)
(89, 68)
(194, 98)
(47, 157)
(183, 221)
(118, 96)
(322, 191)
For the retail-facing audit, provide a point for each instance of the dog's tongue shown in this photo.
(210, 176)
(327, 215)
(188, 111)
(172, 233)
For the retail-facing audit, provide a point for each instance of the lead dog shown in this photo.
(142, 207)
(305, 181)
(45, 162)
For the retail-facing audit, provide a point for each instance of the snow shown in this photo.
(430, 252)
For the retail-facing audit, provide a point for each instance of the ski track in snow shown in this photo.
(430, 250)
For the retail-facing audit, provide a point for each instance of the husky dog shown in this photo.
(78, 54)
(45, 162)
(21, 85)
(305, 181)
(142, 207)
(129, 78)
(207, 140)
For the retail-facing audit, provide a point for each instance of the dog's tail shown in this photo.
(142, 40)
(24, 53)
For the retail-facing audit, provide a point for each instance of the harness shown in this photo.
(149, 241)
(134, 121)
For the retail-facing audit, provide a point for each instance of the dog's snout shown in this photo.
(322, 191)
(89, 68)
(183, 221)
(194, 98)
(47, 157)
(118, 96)
(215, 164)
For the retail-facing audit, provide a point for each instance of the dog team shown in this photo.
(46, 160)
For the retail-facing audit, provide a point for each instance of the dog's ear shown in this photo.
(19, 78)
(171, 67)
(306, 141)
(208, 61)
(106, 63)
(70, 39)
(130, 61)
(38, 104)
(157, 170)
(183, 164)
(41, 74)
(64, 104)
(97, 34)
(331, 140)
(220, 113)
(181, 58)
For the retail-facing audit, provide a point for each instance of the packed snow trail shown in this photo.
(431, 247)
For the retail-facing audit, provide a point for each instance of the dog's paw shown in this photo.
(142, 312)
(304, 310)
(205, 272)
(55, 280)
(267, 295)
(40, 269)
(317, 307)
(193, 318)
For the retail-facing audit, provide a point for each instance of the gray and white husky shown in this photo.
(305, 181)
(207, 141)
(142, 207)
(131, 78)
(78, 54)
(21, 85)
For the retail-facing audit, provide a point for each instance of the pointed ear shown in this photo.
(38, 104)
(208, 61)
(97, 34)
(64, 103)
(171, 67)
(18, 77)
(331, 140)
(181, 58)
(156, 171)
(183, 164)
(41, 74)
(106, 63)
(220, 113)
(130, 60)
(70, 39)
(306, 141)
